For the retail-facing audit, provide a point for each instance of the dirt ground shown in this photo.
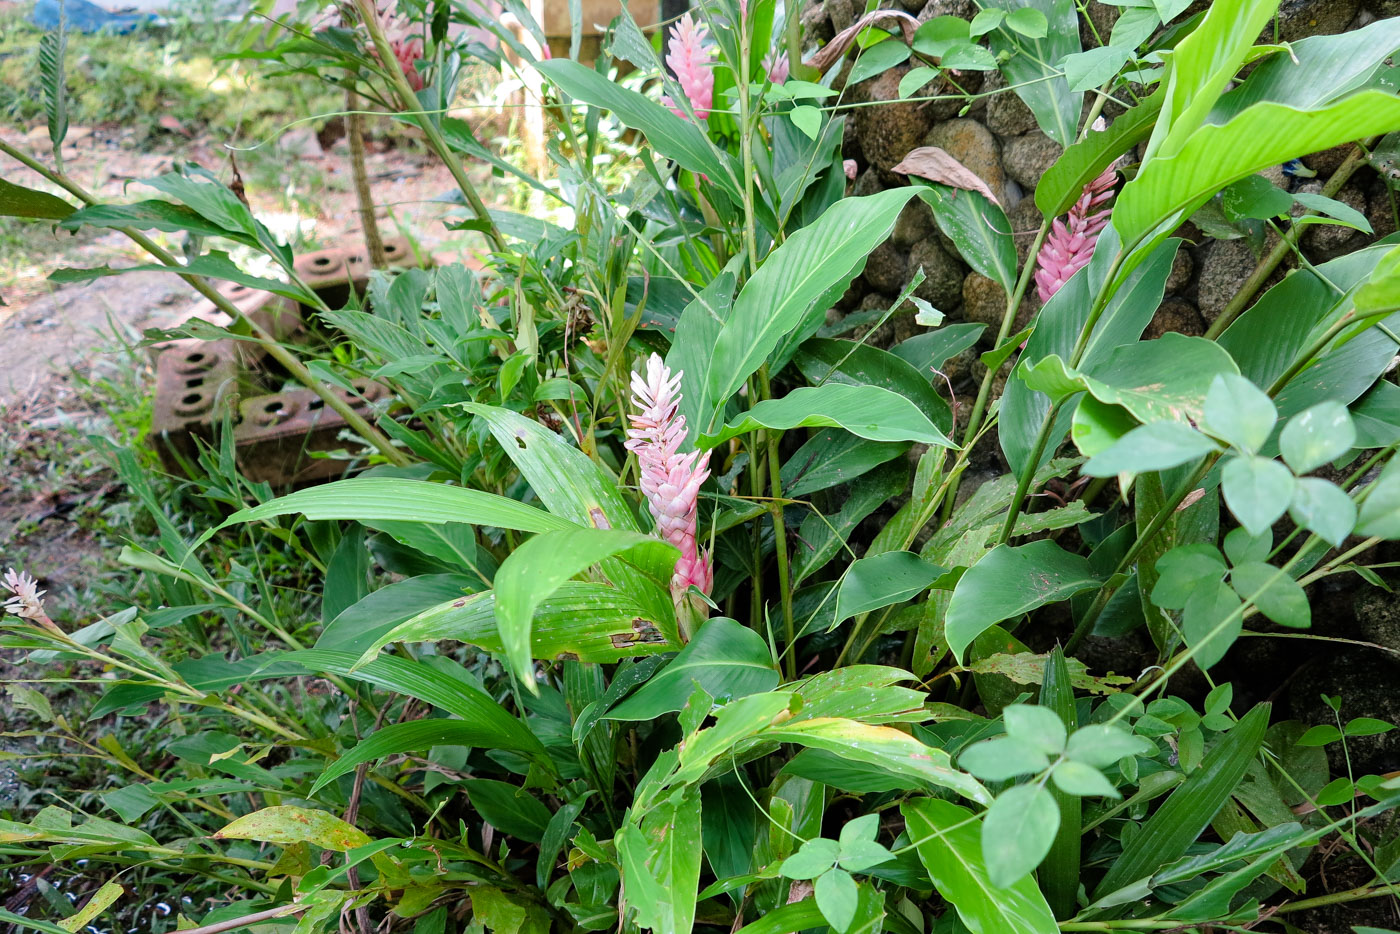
(301, 190)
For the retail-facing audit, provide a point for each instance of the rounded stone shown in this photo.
(1175, 316)
(1103, 16)
(984, 301)
(1298, 19)
(888, 131)
(1329, 160)
(1380, 211)
(1028, 157)
(885, 268)
(1328, 241)
(1025, 221)
(1007, 114)
(962, 9)
(867, 183)
(975, 147)
(943, 275)
(914, 223)
(1180, 276)
(1225, 264)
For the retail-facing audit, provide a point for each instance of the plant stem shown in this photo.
(257, 917)
(364, 198)
(413, 108)
(1271, 261)
(775, 482)
(1336, 898)
(746, 147)
(274, 349)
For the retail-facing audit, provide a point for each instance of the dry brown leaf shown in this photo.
(829, 54)
(936, 165)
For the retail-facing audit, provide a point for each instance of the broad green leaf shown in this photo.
(837, 897)
(726, 659)
(833, 456)
(100, 901)
(841, 361)
(1241, 547)
(672, 831)
(674, 137)
(1278, 596)
(409, 736)
(1254, 198)
(1381, 293)
(452, 543)
(1211, 622)
(285, 825)
(878, 58)
(928, 352)
(374, 499)
(538, 567)
(882, 580)
(1080, 780)
(1160, 380)
(212, 265)
(1154, 446)
(820, 537)
(1316, 436)
(1102, 745)
(1264, 135)
(949, 845)
(1314, 71)
(887, 748)
(508, 808)
(417, 679)
(1177, 823)
(1039, 726)
(1379, 515)
(1063, 183)
(1238, 412)
(1377, 416)
(978, 228)
(1010, 581)
(1017, 832)
(692, 346)
(580, 621)
(1367, 726)
(868, 411)
(1086, 71)
(153, 215)
(797, 916)
(779, 303)
(1182, 570)
(18, 201)
(1031, 70)
(1239, 847)
(1257, 490)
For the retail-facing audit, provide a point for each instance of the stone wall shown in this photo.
(997, 138)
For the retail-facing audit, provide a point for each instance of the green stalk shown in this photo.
(413, 108)
(775, 482)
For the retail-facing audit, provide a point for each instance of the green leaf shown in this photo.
(1241, 547)
(409, 736)
(1255, 198)
(212, 265)
(379, 499)
(1031, 70)
(948, 842)
(823, 360)
(837, 897)
(934, 37)
(355, 627)
(1177, 823)
(538, 567)
(153, 215)
(916, 78)
(1367, 726)
(1211, 622)
(285, 825)
(1086, 71)
(725, 658)
(101, 900)
(1379, 515)
(1182, 570)
(1011, 581)
(1239, 412)
(693, 346)
(508, 808)
(1017, 832)
(808, 119)
(1316, 436)
(1278, 596)
(674, 847)
(1343, 214)
(1102, 745)
(1264, 135)
(1161, 380)
(978, 228)
(882, 580)
(675, 138)
(986, 20)
(1039, 726)
(1257, 490)
(17, 201)
(878, 58)
(814, 858)
(1154, 446)
(1080, 780)
(52, 49)
(1063, 183)
(867, 411)
(784, 302)
(1003, 757)
(1320, 735)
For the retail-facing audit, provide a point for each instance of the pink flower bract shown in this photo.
(1070, 244)
(692, 62)
(670, 480)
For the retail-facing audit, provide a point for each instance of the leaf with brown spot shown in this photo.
(286, 824)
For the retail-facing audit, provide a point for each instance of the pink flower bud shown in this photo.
(692, 62)
(1071, 242)
(669, 479)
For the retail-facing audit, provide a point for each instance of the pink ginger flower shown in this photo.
(670, 480)
(26, 599)
(1071, 242)
(693, 63)
(407, 46)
